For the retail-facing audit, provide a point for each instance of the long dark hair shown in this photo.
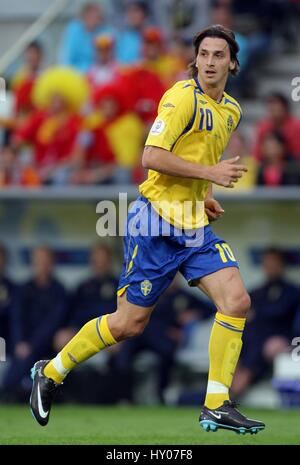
(217, 30)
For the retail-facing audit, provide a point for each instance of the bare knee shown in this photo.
(132, 328)
(237, 304)
(125, 324)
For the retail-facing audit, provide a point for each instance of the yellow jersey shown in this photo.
(196, 128)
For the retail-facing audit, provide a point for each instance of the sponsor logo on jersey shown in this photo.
(168, 105)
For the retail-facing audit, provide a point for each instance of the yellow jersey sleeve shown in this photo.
(175, 117)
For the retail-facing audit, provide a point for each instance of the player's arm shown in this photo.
(164, 161)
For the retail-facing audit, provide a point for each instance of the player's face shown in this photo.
(213, 61)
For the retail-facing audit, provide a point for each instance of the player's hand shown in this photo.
(213, 209)
(227, 172)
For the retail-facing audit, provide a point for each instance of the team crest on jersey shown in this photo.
(229, 123)
(146, 287)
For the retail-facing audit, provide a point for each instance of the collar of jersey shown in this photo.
(202, 92)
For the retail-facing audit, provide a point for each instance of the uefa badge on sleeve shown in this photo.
(157, 127)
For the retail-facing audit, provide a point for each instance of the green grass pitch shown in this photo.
(138, 425)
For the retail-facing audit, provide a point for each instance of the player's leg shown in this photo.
(127, 321)
(226, 289)
(147, 271)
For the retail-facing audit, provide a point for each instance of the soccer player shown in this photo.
(194, 123)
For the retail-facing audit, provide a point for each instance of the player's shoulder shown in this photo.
(181, 91)
(229, 100)
(235, 109)
(184, 87)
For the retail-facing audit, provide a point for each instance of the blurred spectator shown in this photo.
(183, 51)
(238, 146)
(43, 307)
(271, 323)
(278, 118)
(110, 146)
(106, 69)
(144, 90)
(168, 327)
(130, 40)
(53, 136)
(13, 171)
(157, 59)
(77, 44)
(9, 167)
(271, 18)
(52, 129)
(183, 17)
(222, 14)
(9, 306)
(94, 297)
(278, 168)
(23, 81)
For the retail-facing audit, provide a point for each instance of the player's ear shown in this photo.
(232, 66)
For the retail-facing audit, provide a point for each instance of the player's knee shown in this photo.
(131, 328)
(135, 328)
(127, 325)
(238, 304)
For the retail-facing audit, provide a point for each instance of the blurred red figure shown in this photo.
(23, 81)
(110, 145)
(144, 91)
(156, 58)
(59, 94)
(280, 119)
(106, 69)
(278, 168)
(52, 134)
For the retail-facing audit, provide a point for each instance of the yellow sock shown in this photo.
(225, 346)
(93, 337)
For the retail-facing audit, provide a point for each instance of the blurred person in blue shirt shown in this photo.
(273, 321)
(77, 45)
(42, 310)
(95, 296)
(9, 302)
(222, 14)
(129, 45)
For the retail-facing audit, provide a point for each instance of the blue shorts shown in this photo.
(151, 260)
